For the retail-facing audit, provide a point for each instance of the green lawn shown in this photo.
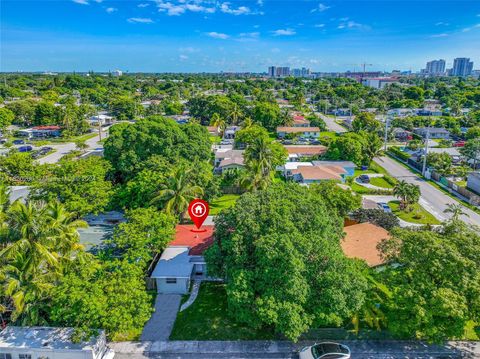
(417, 215)
(364, 190)
(380, 182)
(215, 139)
(220, 203)
(330, 134)
(207, 319)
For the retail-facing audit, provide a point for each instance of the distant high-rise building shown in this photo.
(435, 67)
(117, 73)
(303, 72)
(282, 71)
(462, 66)
(272, 71)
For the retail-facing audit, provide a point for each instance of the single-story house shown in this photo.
(101, 120)
(296, 152)
(46, 342)
(230, 132)
(362, 240)
(401, 134)
(213, 130)
(300, 121)
(288, 168)
(348, 166)
(307, 132)
(231, 163)
(182, 261)
(315, 174)
(225, 153)
(434, 132)
(400, 112)
(41, 132)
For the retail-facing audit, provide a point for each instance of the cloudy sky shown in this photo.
(206, 36)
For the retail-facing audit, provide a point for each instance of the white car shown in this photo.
(326, 350)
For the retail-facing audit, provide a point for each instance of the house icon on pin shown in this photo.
(198, 209)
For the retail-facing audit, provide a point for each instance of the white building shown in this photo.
(101, 120)
(50, 343)
(117, 73)
(379, 82)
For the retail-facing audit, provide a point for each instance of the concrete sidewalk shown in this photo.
(284, 349)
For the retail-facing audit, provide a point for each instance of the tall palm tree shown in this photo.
(401, 190)
(176, 194)
(260, 151)
(219, 122)
(456, 210)
(253, 178)
(235, 114)
(247, 123)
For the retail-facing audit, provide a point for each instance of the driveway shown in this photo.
(161, 323)
(432, 199)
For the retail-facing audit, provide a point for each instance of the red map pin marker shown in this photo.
(198, 210)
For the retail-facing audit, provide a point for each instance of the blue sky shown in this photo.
(205, 36)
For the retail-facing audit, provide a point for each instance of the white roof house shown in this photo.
(174, 263)
(46, 342)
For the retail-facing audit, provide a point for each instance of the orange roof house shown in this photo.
(198, 242)
(361, 241)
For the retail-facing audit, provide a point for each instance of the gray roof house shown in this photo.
(434, 132)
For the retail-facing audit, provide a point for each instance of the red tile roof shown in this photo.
(361, 241)
(197, 241)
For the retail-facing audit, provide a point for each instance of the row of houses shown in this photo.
(317, 171)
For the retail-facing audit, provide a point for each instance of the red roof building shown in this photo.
(198, 242)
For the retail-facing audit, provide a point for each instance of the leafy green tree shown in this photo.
(435, 282)
(473, 132)
(441, 162)
(6, 117)
(348, 147)
(219, 122)
(365, 121)
(80, 184)
(377, 217)
(279, 250)
(267, 114)
(457, 210)
(341, 200)
(471, 151)
(372, 147)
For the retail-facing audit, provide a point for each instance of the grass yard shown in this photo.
(330, 134)
(223, 202)
(207, 319)
(380, 182)
(215, 139)
(417, 215)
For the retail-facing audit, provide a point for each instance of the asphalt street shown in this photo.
(331, 124)
(432, 199)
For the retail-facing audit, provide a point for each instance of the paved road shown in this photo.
(331, 124)
(65, 148)
(432, 199)
(161, 323)
(282, 349)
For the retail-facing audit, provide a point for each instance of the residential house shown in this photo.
(100, 120)
(307, 132)
(314, 174)
(300, 121)
(362, 240)
(400, 112)
(41, 132)
(434, 132)
(288, 168)
(227, 159)
(295, 153)
(230, 132)
(401, 135)
(213, 130)
(54, 343)
(182, 261)
(348, 166)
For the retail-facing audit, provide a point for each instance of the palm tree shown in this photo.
(456, 210)
(247, 123)
(235, 114)
(176, 194)
(81, 145)
(219, 122)
(407, 192)
(253, 178)
(260, 151)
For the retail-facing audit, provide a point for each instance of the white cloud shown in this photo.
(242, 10)
(142, 5)
(319, 25)
(183, 57)
(439, 35)
(140, 20)
(81, 2)
(321, 8)
(260, 3)
(218, 35)
(179, 8)
(441, 23)
(352, 25)
(471, 28)
(284, 32)
(111, 9)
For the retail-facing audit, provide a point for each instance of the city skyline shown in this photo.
(236, 36)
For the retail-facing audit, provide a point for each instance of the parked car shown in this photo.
(18, 142)
(315, 142)
(25, 148)
(459, 144)
(385, 207)
(326, 350)
(364, 179)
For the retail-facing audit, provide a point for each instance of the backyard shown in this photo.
(222, 202)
